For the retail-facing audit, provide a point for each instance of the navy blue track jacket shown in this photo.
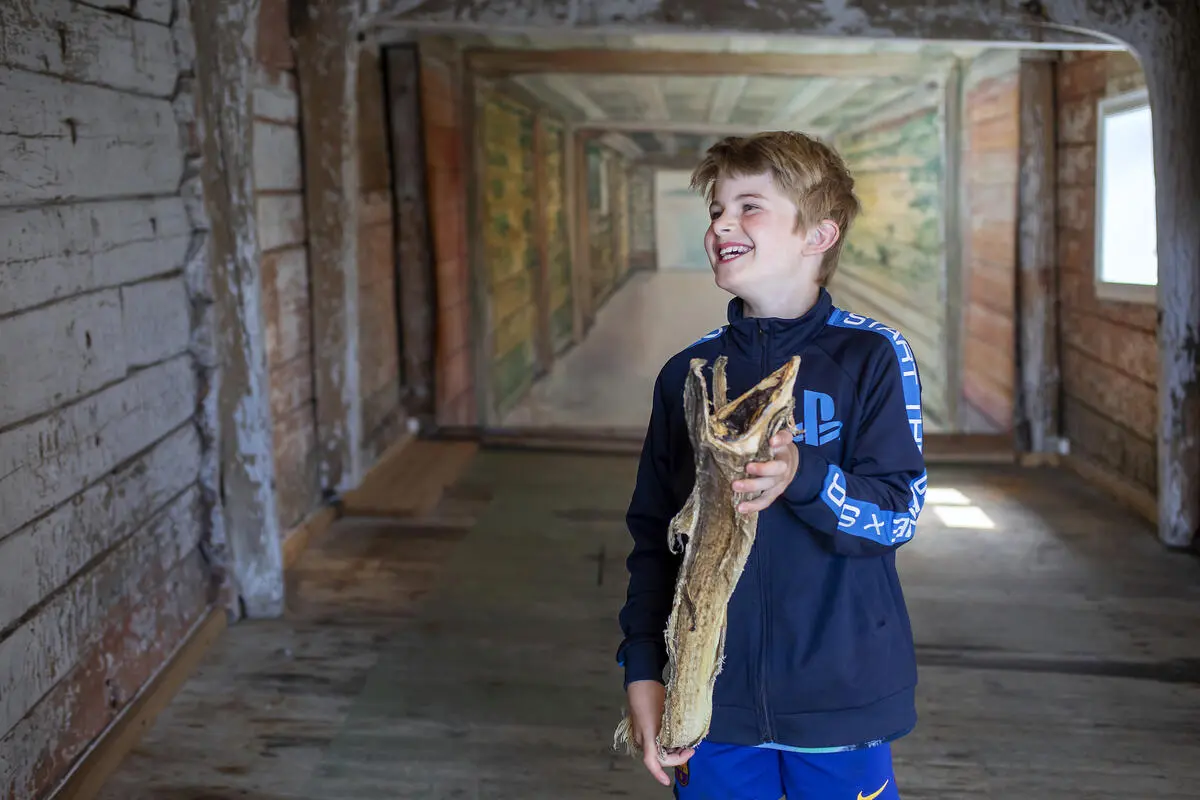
(818, 650)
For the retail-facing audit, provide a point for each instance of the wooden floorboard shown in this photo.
(468, 652)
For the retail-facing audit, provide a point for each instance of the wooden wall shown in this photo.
(379, 345)
(287, 300)
(446, 169)
(892, 267)
(101, 576)
(989, 174)
(1109, 350)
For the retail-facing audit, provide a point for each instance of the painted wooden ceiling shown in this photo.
(666, 105)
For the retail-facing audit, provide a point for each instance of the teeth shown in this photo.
(732, 251)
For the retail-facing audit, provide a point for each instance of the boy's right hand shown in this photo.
(646, 701)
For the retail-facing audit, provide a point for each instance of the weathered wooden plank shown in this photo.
(1078, 292)
(1105, 442)
(295, 446)
(138, 635)
(1037, 292)
(286, 304)
(225, 31)
(46, 461)
(277, 158)
(1133, 352)
(65, 140)
(993, 243)
(1171, 74)
(54, 355)
(1077, 165)
(56, 251)
(154, 10)
(1077, 121)
(416, 276)
(677, 62)
(291, 385)
(280, 221)
(1082, 75)
(156, 320)
(275, 97)
(326, 59)
(80, 43)
(274, 47)
(43, 556)
(1077, 207)
(35, 656)
(1129, 404)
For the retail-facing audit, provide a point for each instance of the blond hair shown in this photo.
(809, 172)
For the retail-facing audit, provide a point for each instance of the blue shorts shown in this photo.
(734, 772)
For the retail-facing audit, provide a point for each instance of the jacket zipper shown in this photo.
(768, 734)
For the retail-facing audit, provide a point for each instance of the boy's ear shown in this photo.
(822, 237)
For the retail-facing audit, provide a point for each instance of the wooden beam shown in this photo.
(1172, 77)
(694, 64)
(893, 105)
(326, 63)
(813, 100)
(623, 145)
(670, 126)
(573, 97)
(1037, 423)
(955, 217)
(1057, 24)
(225, 68)
(416, 274)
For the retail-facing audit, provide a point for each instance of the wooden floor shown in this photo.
(469, 653)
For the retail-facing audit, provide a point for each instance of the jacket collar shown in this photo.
(786, 336)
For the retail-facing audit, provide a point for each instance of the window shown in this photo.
(1126, 230)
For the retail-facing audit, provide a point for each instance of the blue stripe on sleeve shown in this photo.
(860, 517)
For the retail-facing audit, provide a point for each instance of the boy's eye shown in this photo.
(749, 207)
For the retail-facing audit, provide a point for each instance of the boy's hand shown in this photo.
(646, 701)
(771, 477)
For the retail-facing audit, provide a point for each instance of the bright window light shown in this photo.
(1126, 239)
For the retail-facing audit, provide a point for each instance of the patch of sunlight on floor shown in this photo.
(964, 517)
(946, 497)
(956, 510)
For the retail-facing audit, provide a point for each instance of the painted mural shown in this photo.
(680, 222)
(600, 232)
(510, 250)
(892, 265)
(641, 218)
(618, 181)
(553, 207)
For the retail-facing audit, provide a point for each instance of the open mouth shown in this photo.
(728, 252)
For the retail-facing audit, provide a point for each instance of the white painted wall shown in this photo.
(100, 456)
(680, 221)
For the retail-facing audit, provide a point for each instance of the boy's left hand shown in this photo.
(771, 477)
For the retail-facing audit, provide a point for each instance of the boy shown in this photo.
(819, 671)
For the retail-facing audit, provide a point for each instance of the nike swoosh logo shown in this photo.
(876, 794)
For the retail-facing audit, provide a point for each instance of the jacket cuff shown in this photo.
(806, 483)
(644, 662)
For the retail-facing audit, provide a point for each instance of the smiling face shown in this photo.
(755, 247)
